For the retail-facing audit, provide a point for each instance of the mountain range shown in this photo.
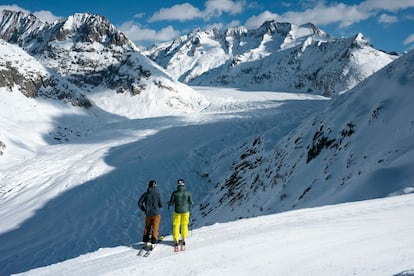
(276, 57)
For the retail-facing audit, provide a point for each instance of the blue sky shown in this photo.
(387, 24)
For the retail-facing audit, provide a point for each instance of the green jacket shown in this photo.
(181, 199)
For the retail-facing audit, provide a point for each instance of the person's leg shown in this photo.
(185, 219)
(147, 229)
(176, 226)
(155, 226)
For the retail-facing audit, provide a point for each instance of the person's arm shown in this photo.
(141, 202)
(159, 200)
(172, 200)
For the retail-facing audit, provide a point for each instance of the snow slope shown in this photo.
(361, 146)
(88, 184)
(364, 238)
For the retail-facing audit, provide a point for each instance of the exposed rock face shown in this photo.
(2, 147)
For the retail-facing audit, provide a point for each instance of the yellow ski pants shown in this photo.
(180, 220)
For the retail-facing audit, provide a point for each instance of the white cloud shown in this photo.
(234, 23)
(387, 19)
(46, 16)
(409, 39)
(182, 12)
(186, 11)
(139, 34)
(218, 7)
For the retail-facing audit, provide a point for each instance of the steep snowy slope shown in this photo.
(360, 147)
(276, 56)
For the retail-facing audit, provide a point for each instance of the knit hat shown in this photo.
(152, 183)
(180, 182)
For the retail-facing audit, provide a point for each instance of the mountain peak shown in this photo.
(16, 26)
(314, 28)
(87, 27)
(359, 41)
(273, 26)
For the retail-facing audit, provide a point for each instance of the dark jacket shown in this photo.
(150, 202)
(181, 199)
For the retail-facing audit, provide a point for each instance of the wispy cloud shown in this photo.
(387, 5)
(387, 19)
(186, 11)
(139, 34)
(409, 39)
(139, 15)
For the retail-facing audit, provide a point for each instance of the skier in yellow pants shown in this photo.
(182, 201)
(180, 220)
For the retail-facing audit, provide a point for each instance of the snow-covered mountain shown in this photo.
(22, 72)
(90, 53)
(276, 56)
(360, 147)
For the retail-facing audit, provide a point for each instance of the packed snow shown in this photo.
(365, 238)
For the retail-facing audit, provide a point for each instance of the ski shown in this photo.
(146, 251)
(142, 251)
(149, 251)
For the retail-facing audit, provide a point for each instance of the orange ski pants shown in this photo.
(151, 222)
